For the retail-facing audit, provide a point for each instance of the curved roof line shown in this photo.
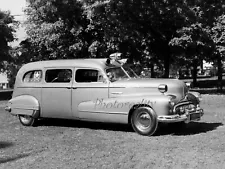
(96, 63)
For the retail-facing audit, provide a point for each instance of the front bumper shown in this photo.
(188, 116)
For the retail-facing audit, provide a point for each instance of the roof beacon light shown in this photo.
(115, 56)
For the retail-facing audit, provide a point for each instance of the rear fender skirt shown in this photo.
(24, 105)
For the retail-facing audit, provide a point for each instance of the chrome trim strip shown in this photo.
(116, 92)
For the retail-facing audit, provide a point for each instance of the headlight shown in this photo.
(172, 99)
(162, 88)
(181, 110)
(171, 103)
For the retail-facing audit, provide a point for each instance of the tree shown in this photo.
(19, 55)
(192, 45)
(195, 41)
(147, 26)
(148, 31)
(7, 29)
(213, 14)
(218, 36)
(57, 29)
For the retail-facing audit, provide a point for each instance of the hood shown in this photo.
(148, 82)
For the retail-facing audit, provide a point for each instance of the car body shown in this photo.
(100, 90)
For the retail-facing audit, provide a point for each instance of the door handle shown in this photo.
(71, 88)
(116, 92)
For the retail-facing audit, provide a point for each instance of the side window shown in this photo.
(33, 76)
(88, 75)
(58, 75)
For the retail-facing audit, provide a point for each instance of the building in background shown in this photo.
(4, 84)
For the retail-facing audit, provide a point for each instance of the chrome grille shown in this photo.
(182, 108)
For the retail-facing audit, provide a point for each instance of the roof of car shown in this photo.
(94, 63)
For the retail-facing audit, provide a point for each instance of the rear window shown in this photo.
(34, 76)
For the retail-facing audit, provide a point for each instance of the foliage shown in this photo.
(194, 42)
(57, 29)
(19, 55)
(7, 29)
(191, 43)
(150, 32)
(218, 35)
(195, 39)
(149, 28)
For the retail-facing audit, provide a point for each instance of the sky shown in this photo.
(16, 8)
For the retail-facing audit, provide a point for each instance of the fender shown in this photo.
(121, 106)
(196, 94)
(24, 105)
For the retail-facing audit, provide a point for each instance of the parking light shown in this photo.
(162, 88)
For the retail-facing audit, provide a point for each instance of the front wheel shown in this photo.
(144, 121)
(27, 120)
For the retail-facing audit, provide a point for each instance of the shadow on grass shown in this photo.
(164, 129)
(8, 159)
(188, 129)
(4, 144)
(85, 124)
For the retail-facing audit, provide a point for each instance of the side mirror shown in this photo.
(110, 76)
(103, 79)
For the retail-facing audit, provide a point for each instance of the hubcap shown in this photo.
(25, 119)
(143, 120)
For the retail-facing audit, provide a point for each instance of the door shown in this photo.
(89, 87)
(56, 93)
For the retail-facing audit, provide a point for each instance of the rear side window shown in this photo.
(34, 76)
(88, 75)
(58, 75)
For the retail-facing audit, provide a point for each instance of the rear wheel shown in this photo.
(27, 120)
(144, 121)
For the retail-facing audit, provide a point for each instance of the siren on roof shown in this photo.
(114, 58)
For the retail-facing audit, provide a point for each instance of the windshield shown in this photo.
(118, 73)
(130, 72)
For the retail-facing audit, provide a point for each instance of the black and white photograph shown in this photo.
(112, 84)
